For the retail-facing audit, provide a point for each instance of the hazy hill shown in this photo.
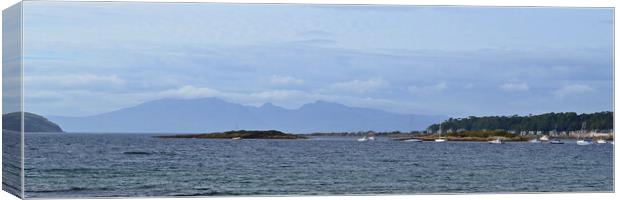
(213, 114)
(32, 123)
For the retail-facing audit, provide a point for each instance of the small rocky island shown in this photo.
(240, 134)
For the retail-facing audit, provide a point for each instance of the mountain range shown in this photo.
(213, 114)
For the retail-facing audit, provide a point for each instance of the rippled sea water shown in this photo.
(11, 162)
(107, 165)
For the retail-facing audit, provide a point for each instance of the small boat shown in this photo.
(412, 140)
(534, 141)
(496, 141)
(600, 141)
(544, 138)
(440, 139)
(583, 131)
(363, 139)
(371, 138)
(236, 138)
(555, 141)
(584, 142)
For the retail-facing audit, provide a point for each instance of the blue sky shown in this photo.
(89, 58)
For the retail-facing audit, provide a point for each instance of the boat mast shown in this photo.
(583, 129)
(440, 129)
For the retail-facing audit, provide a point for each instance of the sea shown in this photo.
(66, 165)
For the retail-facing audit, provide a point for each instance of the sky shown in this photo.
(85, 58)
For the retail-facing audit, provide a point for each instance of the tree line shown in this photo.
(564, 121)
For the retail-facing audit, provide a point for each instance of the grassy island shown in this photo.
(240, 134)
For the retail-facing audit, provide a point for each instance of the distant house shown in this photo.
(600, 134)
(593, 133)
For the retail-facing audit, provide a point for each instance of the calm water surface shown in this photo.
(105, 165)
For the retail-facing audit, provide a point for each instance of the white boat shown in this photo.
(544, 138)
(371, 138)
(363, 139)
(496, 141)
(412, 140)
(440, 139)
(583, 141)
(236, 138)
(534, 141)
(600, 141)
(555, 141)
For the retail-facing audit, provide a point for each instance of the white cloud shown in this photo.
(285, 80)
(428, 89)
(251, 98)
(358, 86)
(514, 87)
(276, 94)
(190, 91)
(574, 89)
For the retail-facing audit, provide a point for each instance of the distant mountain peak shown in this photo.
(321, 103)
(270, 105)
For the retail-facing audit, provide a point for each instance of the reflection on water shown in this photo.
(11, 162)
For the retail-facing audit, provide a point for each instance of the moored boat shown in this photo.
(496, 141)
(581, 141)
(440, 139)
(556, 141)
(412, 140)
(584, 142)
(600, 141)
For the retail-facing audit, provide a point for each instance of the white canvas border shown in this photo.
(561, 3)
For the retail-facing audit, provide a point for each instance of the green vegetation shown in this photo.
(482, 134)
(473, 136)
(242, 134)
(364, 133)
(568, 121)
(487, 135)
(32, 123)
